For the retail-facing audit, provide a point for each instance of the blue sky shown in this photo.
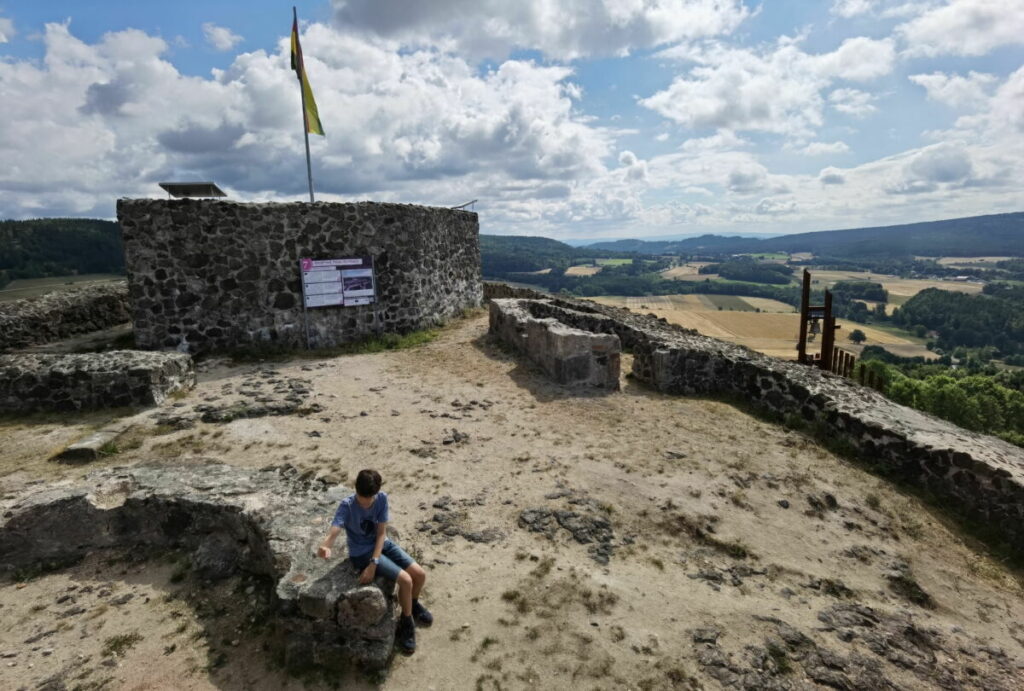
(580, 119)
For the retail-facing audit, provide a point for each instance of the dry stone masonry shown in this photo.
(567, 355)
(262, 523)
(63, 313)
(218, 275)
(39, 382)
(980, 475)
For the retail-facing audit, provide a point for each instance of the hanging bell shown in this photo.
(815, 327)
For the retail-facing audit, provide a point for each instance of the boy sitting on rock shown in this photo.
(364, 516)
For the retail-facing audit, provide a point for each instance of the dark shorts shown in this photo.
(393, 560)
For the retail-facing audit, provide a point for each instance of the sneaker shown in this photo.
(421, 614)
(405, 636)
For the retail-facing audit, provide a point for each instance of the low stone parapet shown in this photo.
(264, 523)
(63, 313)
(89, 381)
(978, 475)
(568, 355)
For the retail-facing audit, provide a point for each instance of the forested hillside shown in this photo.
(59, 247)
(998, 234)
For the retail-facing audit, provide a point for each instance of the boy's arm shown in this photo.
(325, 546)
(378, 547)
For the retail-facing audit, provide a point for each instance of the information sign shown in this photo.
(341, 282)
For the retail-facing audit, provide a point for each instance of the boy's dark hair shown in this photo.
(368, 483)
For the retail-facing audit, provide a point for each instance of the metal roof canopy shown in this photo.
(179, 190)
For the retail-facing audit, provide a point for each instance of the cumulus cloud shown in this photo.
(941, 164)
(965, 27)
(831, 176)
(778, 91)
(852, 102)
(6, 29)
(957, 91)
(824, 148)
(565, 30)
(220, 37)
(118, 117)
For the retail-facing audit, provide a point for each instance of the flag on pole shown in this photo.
(311, 115)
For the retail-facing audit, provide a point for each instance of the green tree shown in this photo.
(858, 336)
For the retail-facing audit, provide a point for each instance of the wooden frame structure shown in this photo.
(831, 358)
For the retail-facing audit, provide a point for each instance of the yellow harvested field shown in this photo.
(688, 272)
(768, 305)
(770, 333)
(953, 261)
(906, 287)
(583, 270)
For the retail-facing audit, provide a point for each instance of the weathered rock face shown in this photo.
(261, 522)
(568, 355)
(63, 313)
(979, 474)
(213, 275)
(35, 382)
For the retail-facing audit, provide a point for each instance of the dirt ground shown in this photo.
(734, 549)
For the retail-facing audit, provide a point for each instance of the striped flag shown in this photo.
(311, 116)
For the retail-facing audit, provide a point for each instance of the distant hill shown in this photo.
(508, 254)
(997, 234)
(59, 247)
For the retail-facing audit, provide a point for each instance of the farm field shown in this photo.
(583, 270)
(688, 272)
(34, 287)
(903, 287)
(771, 333)
(613, 262)
(970, 261)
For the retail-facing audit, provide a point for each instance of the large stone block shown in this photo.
(232, 519)
(88, 381)
(216, 275)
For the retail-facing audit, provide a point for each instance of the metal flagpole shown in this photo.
(302, 94)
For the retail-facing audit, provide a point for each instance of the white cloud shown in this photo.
(851, 8)
(957, 91)
(824, 148)
(779, 91)
(831, 176)
(417, 126)
(852, 102)
(220, 37)
(965, 27)
(565, 30)
(6, 29)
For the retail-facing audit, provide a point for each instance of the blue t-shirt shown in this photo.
(361, 524)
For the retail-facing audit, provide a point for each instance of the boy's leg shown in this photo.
(387, 568)
(416, 575)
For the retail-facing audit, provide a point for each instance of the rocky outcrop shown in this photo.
(568, 355)
(265, 523)
(979, 475)
(38, 382)
(217, 275)
(63, 313)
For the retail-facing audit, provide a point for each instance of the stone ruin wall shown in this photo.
(218, 275)
(63, 313)
(88, 381)
(982, 476)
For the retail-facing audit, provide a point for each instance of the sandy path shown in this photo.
(528, 611)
